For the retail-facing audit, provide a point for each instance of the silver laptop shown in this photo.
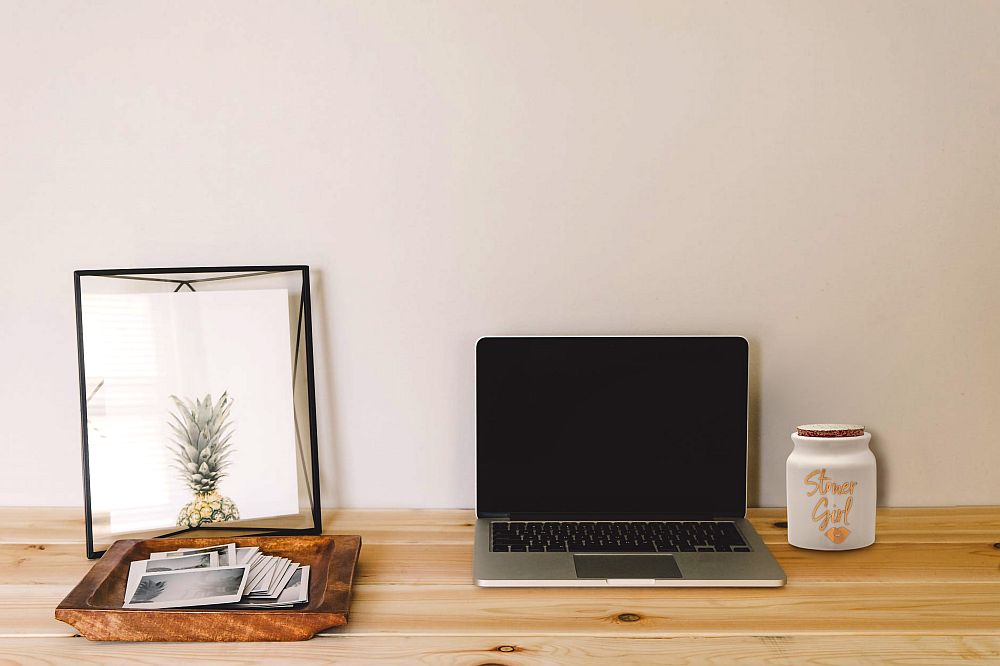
(614, 461)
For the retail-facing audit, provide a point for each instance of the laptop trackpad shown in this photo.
(626, 566)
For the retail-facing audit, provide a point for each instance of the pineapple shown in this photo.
(201, 448)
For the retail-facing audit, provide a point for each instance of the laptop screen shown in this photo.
(602, 426)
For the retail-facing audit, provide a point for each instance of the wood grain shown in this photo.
(41, 525)
(955, 609)
(907, 525)
(513, 649)
(927, 592)
(60, 525)
(932, 608)
(896, 563)
(451, 564)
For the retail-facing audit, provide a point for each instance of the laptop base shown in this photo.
(756, 568)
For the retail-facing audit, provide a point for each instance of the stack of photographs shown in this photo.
(223, 575)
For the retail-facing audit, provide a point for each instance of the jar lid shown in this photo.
(831, 430)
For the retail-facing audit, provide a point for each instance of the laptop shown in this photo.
(614, 461)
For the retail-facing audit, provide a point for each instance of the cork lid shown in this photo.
(831, 430)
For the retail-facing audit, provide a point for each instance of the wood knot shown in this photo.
(997, 545)
(782, 524)
(628, 617)
(506, 648)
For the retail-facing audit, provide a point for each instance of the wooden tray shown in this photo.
(94, 607)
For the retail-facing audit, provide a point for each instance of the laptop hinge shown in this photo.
(493, 515)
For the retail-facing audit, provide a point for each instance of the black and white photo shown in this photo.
(192, 587)
(192, 561)
(226, 552)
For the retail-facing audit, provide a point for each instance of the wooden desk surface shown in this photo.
(928, 591)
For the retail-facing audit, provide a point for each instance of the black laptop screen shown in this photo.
(630, 426)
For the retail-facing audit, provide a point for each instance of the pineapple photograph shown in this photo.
(194, 390)
(201, 446)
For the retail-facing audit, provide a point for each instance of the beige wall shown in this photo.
(823, 177)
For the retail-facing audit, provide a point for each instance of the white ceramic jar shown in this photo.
(830, 483)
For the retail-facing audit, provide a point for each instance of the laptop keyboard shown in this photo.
(617, 537)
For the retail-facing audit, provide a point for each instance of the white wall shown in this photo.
(822, 177)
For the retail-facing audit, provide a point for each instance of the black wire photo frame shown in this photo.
(195, 418)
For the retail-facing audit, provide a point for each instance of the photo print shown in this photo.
(190, 409)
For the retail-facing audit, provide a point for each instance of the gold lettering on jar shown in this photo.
(823, 514)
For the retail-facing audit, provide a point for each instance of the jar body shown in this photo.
(830, 485)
